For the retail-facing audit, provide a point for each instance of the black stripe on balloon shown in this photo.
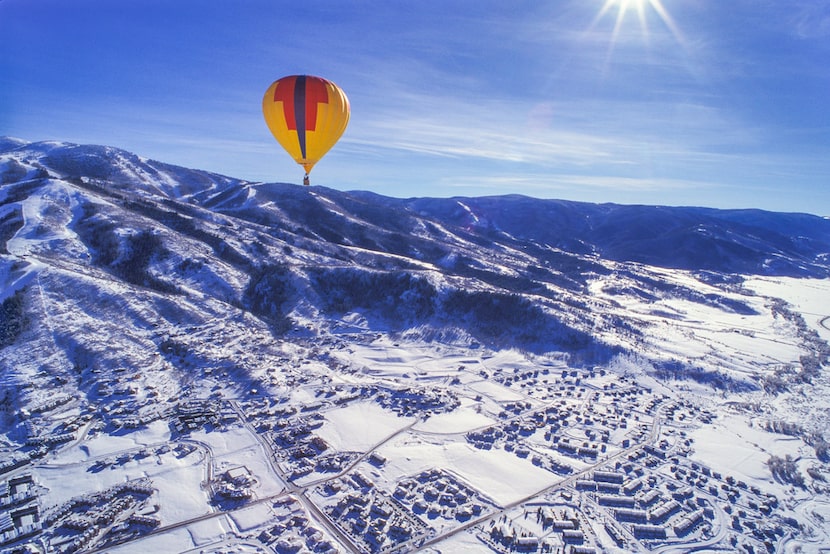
(299, 111)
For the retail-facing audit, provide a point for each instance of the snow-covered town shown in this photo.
(515, 455)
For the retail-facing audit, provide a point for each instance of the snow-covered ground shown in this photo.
(736, 442)
(343, 430)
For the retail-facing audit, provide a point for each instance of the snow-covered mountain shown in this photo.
(130, 285)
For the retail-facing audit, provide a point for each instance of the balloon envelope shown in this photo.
(306, 115)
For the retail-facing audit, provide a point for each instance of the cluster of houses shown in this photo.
(49, 440)
(290, 432)
(570, 432)
(417, 401)
(590, 422)
(553, 530)
(435, 493)
(49, 404)
(19, 512)
(581, 419)
(683, 498)
(640, 503)
(373, 520)
(13, 462)
(646, 509)
(135, 421)
(48, 437)
(294, 532)
(265, 411)
(234, 484)
(101, 516)
(194, 414)
(296, 445)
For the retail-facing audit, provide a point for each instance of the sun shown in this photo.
(641, 7)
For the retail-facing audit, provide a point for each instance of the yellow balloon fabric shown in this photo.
(306, 115)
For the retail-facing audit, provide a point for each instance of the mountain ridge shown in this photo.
(632, 225)
(283, 253)
(275, 250)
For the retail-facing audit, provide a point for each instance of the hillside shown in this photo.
(133, 290)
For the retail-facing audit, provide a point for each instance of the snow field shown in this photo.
(810, 297)
(461, 420)
(251, 517)
(359, 426)
(177, 479)
(495, 391)
(732, 447)
(176, 541)
(497, 474)
(156, 433)
(716, 338)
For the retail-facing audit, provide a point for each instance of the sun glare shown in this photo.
(641, 8)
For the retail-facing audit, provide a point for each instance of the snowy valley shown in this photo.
(196, 363)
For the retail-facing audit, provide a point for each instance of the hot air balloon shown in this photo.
(306, 115)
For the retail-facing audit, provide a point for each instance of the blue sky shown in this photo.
(674, 102)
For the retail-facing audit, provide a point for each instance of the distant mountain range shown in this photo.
(737, 241)
(107, 258)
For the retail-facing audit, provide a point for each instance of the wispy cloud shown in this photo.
(570, 132)
(807, 19)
